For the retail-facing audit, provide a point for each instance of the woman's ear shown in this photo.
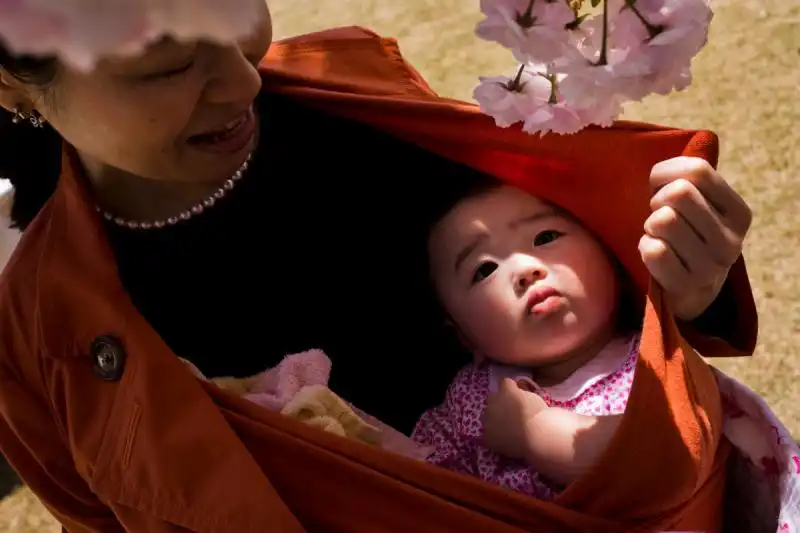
(11, 93)
(16, 94)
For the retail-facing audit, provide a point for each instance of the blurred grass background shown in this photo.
(746, 88)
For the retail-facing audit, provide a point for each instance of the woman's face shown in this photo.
(142, 116)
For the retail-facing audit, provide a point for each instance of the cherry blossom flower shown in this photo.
(671, 33)
(679, 27)
(596, 63)
(604, 70)
(509, 100)
(82, 31)
(532, 29)
(552, 113)
(559, 117)
(533, 98)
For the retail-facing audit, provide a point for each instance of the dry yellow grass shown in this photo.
(21, 512)
(746, 88)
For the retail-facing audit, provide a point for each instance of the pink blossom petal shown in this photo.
(555, 15)
(507, 106)
(542, 42)
(604, 114)
(556, 118)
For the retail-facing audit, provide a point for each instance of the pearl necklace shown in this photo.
(183, 216)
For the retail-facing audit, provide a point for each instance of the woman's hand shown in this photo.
(694, 234)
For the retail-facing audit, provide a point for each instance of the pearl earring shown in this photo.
(17, 116)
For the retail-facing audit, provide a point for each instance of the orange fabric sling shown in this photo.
(667, 458)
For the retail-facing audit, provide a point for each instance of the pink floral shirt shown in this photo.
(454, 429)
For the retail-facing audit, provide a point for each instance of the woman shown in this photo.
(203, 212)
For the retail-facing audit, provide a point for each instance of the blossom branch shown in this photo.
(553, 93)
(526, 20)
(515, 85)
(652, 29)
(603, 59)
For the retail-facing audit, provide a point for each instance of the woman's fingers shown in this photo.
(663, 264)
(682, 199)
(729, 205)
(694, 233)
(673, 229)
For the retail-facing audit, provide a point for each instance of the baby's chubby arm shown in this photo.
(564, 445)
(560, 444)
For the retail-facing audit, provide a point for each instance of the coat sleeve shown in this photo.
(35, 447)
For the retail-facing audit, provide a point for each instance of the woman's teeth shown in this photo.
(228, 128)
(233, 124)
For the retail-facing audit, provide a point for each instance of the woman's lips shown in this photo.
(231, 138)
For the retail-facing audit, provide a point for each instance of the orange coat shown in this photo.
(145, 447)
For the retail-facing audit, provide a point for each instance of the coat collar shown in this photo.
(77, 270)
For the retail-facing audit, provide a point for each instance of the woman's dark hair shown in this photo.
(30, 158)
(466, 183)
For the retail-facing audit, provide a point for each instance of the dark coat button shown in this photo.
(108, 357)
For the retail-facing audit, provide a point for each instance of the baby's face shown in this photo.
(524, 282)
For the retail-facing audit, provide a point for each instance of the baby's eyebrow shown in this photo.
(549, 212)
(468, 249)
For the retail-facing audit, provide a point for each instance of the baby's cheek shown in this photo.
(602, 291)
(491, 328)
(573, 280)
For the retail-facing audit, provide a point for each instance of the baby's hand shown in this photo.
(508, 414)
(560, 444)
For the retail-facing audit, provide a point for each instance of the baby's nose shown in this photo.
(528, 277)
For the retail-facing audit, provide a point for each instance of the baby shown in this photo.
(544, 309)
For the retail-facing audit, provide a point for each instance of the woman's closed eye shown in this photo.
(169, 73)
(546, 237)
(483, 271)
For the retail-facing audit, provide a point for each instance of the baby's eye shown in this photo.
(546, 237)
(484, 271)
